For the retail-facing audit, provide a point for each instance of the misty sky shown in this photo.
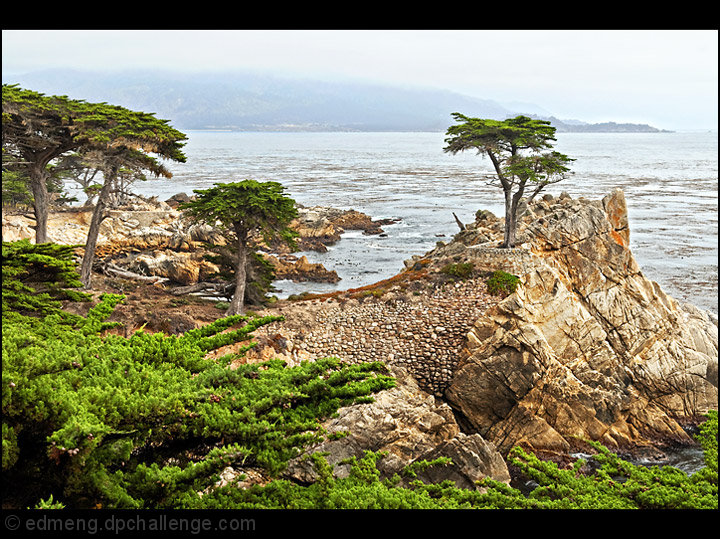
(667, 78)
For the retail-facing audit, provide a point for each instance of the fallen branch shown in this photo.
(189, 289)
(119, 272)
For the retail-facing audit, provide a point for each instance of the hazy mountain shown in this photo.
(256, 101)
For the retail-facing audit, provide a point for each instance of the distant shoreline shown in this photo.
(642, 129)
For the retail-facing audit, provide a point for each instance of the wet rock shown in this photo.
(300, 269)
(177, 199)
(320, 226)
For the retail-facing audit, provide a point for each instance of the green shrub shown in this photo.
(144, 421)
(615, 484)
(502, 284)
(36, 277)
(462, 270)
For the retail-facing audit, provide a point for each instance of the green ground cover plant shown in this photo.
(615, 484)
(97, 419)
(462, 270)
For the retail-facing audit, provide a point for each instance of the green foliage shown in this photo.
(36, 277)
(242, 211)
(49, 504)
(517, 149)
(616, 484)
(462, 270)
(244, 206)
(499, 137)
(619, 484)
(145, 421)
(15, 191)
(30, 116)
(501, 283)
(362, 489)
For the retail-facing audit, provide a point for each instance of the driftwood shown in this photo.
(119, 272)
(218, 289)
(189, 289)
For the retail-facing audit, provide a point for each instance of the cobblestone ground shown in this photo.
(423, 333)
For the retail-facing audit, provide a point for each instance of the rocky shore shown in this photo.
(586, 348)
(150, 238)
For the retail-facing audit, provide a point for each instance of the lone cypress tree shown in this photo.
(239, 210)
(516, 149)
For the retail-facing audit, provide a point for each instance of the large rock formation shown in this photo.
(409, 425)
(587, 347)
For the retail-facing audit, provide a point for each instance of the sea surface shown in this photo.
(670, 182)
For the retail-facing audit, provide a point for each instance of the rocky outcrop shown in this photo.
(587, 347)
(320, 226)
(300, 269)
(409, 425)
(151, 238)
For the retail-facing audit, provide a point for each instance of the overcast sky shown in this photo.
(666, 78)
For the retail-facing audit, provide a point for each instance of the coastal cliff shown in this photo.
(585, 349)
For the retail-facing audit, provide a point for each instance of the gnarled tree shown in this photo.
(516, 149)
(35, 130)
(113, 163)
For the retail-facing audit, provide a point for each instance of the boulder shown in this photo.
(473, 458)
(182, 268)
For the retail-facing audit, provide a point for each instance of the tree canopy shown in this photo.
(38, 129)
(517, 148)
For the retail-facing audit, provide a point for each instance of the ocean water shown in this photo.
(670, 182)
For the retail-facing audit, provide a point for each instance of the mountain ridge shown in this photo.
(258, 101)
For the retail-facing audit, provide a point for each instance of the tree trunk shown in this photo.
(511, 206)
(93, 232)
(509, 238)
(238, 301)
(41, 203)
